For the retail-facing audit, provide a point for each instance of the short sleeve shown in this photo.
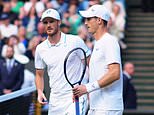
(112, 52)
(39, 63)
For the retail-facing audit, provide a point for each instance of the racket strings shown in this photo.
(75, 65)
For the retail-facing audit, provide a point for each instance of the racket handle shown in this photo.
(77, 108)
(45, 100)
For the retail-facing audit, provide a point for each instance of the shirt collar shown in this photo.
(62, 41)
(129, 77)
(10, 61)
(7, 59)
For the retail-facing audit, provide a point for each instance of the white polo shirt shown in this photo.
(106, 51)
(53, 57)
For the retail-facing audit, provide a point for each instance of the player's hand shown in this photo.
(79, 90)
(74, 98)
(41, 98)
(7, 91)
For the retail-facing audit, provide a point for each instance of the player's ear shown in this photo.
(59, 22)
(99, 20)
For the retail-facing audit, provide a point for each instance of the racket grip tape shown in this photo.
(45, 100)
(76, 99)
(77, 108)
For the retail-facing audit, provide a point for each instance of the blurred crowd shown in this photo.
(21, 28)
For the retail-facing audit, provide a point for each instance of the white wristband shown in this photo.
(92, 86)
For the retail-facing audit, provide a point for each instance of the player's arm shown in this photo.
(112, 75)
(39, 81)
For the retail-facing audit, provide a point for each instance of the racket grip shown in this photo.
(77, 108)
(45, 100)
(76, 99)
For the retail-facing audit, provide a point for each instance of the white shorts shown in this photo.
(105, 112)
(67, 107)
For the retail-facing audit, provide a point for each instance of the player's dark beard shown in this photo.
(10, 57)
(55, 31)
(52, 34)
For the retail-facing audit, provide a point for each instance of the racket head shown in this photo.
(75, 66)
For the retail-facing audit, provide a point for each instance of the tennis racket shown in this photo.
(74, 70)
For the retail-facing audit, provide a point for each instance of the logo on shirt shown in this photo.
(97, 49)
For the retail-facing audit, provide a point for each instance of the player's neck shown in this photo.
(54, 39)
(100, 32)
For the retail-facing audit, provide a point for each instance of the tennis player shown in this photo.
(51, 54)
(105, 82)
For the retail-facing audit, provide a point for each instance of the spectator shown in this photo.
(75, 19)
(30, 22)
(30, 53)
(83, 32)
(40, 31)
(117, 27)
(16, 5)
(109, 4)
(2, 42)
(76, 3)
(18, 22)
(93, 2)
(13, 41)
(65, 18)
(22, 13)
(65, 28)
(7, 9)
(40, 7)
(122, 7)
(37, 5)
(11, 79)
(7, 29)
(123, 2)
(60, 5)
(129, 92)
(47, 4)
(87, 38)
(83, 5)
(22, 36)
